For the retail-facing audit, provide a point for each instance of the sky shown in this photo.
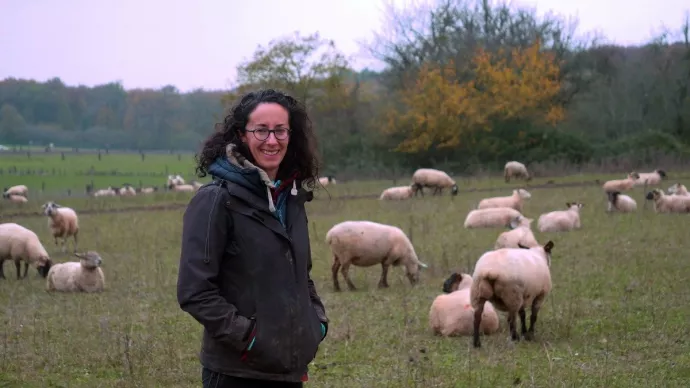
(199, 44)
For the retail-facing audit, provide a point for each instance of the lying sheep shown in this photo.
(669, 203)
(514, 169)
(17, 190)
(18, 243)
(85, 275)
(197, 185)
(512, 280)
(175, 180)
(366, 243)
(397, 193)
(521, 234)
(650, 178)
(109, 192)
(514, 201)
(323, 181)
(182, 188)
(451, 314)
(429, 177)
(147, 190)
(621, 202)
(16, 198)
(127, 191)
(678, 189)
(493, 217)
(621, 185)
(561, 220)
(63, 223)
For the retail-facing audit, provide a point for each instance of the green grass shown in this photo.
(617, 316)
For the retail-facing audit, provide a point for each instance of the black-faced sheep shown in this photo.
(621, 185)
(621, 202)
(18, 243)
(63, 223)
(17, 190)
(85, 275)
(669, 203)
(429, 177)
(650, 178)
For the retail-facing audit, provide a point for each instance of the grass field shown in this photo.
(618, 315)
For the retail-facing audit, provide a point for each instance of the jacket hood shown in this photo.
(235, 168)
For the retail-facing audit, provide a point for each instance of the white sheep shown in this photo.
(621, 202)
(451, 314)
(17, 190)
(63, 222)
(323, 181)
(367, 243)
(521, 234)
(514, 201)
(561, 220)
(16, 198)
(197, 185)
(147, 190)
(493, 217)
(18, 243)
(84, 275)
(650, 178)
(669, 203)
(515, 169)
(397, 193)
(429, 177)
(127, 191)
(678, 189)
(182, 188)
(621, 185)
(175, 180)
(105, 192)
(512, 279)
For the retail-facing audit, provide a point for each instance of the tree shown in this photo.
(11, 123)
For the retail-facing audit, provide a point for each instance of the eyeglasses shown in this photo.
(263, 133)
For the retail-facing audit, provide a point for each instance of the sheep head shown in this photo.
(524, 194)
(548, 247)
(654, 194)
(634, 176)
(49, 208)
(574, 205)
(90, 259)
(454, 190)
(44, 268)
(451, 284)
(662, 174)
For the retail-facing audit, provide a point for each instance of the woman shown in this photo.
(246, 261)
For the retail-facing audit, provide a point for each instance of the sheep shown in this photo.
(85, 275)
(514, 201)
(323, 181)
(105, 192)
(651, 178)
(63, 223)
(197, 185)
(367, 243)
(175, 180)
(429, 177)
(127, 190)
(17, 190)
(669, 203)
(451, 314)
(397, 193)
(16, 198)
(621, 185)
(678, 189)
(147, 190)
(521, 234)
(512, 279)
(621, 202)
(561, 220)
(490, 218)
(182, 188)
(514, 169)
(18, 243)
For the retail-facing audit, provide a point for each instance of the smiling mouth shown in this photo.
(269, 153)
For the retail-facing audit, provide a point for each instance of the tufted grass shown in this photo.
(618, 315)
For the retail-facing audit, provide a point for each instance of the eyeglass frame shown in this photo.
(288, 131)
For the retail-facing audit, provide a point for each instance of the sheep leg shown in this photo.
(344, 270)
(523, 319)
(18, 264)
(383, 283)
(536, 305)
(76, 243)
(2, 272)
(512, 317)
(477, 322)
(334, 269)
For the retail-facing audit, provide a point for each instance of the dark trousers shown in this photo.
(211, 379)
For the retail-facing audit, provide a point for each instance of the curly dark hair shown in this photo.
(301, 155)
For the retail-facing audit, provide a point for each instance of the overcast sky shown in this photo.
(191, 44)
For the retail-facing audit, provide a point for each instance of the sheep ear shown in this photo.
(567, 204)
(548, 247)
(423, 265)
(522, 246)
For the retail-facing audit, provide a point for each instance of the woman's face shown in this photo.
(269, 151)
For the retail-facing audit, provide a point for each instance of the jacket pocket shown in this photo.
(268, 355)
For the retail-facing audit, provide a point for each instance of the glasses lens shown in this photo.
(281, 133)
(261, 134)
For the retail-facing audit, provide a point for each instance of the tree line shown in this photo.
(467, 86)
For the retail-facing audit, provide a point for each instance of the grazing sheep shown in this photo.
(17, 190)
(521, 234)
(514, 169)
(651, 178)
(323, 181)
(621, 185)
(512, 280)
(397, 193)
(18, 243)
(678, 189)
(429, 177)
(63, 223)
(451, 314)
(621, 202)
(669, 203)
(561, 220)
(366, 243)
(493, 217)
(514, 201)
(85, 275)
(16, 198)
